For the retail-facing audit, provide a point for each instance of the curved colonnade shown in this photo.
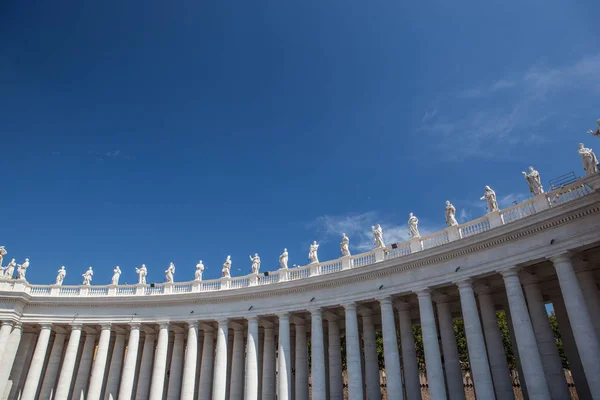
(251, 341)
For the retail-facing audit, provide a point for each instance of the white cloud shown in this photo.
(429, 115)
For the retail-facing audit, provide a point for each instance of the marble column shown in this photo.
(175, 371)
(5, 331)
(98, 368)
(10, 353)
(268, 381)
(390, 350)
(68, 365)
(82, 376)
(114, 369)
(454, 377)
(551, 362)
(495, 348)
(188, 383)
(537, 387)
(318, 377)
(207, 364)
(587, 281)
(482, 377)
(409, 353)
(587, 342)
(261, 345)
(515, 349)
(37, 363)
(17, 374)
(251, 390)
(431, 347)
(371, 371)
(238, 362)
(220, 372)
(157, 385)
(334, 352)
(353, 358)
(145, 373)
(301, 385)
(128, 375)
(284, 370)
(229, 359)
(53, 365)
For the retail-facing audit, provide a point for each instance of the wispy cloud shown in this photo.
(511, 199)
(508, 112)
(429, 115)
(109, 155)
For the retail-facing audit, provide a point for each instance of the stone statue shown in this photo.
(9, 270)
(22, 268)
(588, 158)
(62, 272)
(142, 273)
(344, 245)
(490, 196)
(255, 263)
(534, 181)
(378, 235)
(170, 273)
(413, 226)
(450, 214)
(226, 271)
(199, 271)
(2, 254)
(312, 252)
(87, 277)
(283, 259)
(597, 131)
(116, 276)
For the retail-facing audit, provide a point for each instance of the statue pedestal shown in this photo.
(197, 286)
(169, 287)
(453, 233)
(593, 181)
(253, 280)
(140, 289)
(84, 290)
(225, 283)
(379, 254)
(314, 269)
(112, 290)
(347, 262)
(415, 245)
(495, 219)
(55, 290)
(541, 202)
(284, 275)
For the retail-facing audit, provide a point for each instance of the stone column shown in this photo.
(114, 370)
(482, 378)
(371, 372)
(82, 376)
(157, 385)
(97, 378)
(515, 349)
(220, 372)
(409, 353)
(5, 331)
(495, 347)
(353, 359)
(68, 365)
(284, 367)
(17, 374)
(188, 384)
(37, 363)
(336, 388)
(390, 349)
(318, 378)
(268, 381)
(551, 362)
(174, 388)
(431, 347)
(207, 364)
(454, 377)
(587, 281)
(145, 373)
(10, 353)
(237, 364)
(53, 365)
(128, 375)
(537, 388)
(251, 391)
(301, 361)
(581, 322)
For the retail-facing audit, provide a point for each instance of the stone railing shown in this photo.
(489, 221)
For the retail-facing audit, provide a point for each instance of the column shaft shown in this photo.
(68, 365)
(371, 371)
(114, 370)
(5, 331)
(587, 281)
(409, 354)
(52, 368)
(128, 375)
(353, 359)
(157, 385)
(318, 378)
(82, 376)
(251, 391)
(207, 365)
(220, 373)
(99, 366)
(301, 386)
(237, 365)
(529, 355)
(188, 384)
(10, 353)
(145, 374)
(284, 370)
(268, 381)
(454, 377)
(336, 388)
(431, 347)
(390, 350)
(37, 364)
(175, 370)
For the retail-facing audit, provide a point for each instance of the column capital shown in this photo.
(45, 325)
(423, 293)
(464, 284)
(560, 258)
(8, 322)
(76, 326)
(330, 316)
(135, 325)
(163, 324)
(350, 306)
(284, 315)
(315, 310)
(385, 300)
(253, 319)
(106, 326)
(193, 324)
(509, 272)
(223, 321)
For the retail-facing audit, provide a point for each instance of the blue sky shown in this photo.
(154, 132)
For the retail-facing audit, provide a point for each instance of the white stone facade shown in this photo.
(246, 337)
